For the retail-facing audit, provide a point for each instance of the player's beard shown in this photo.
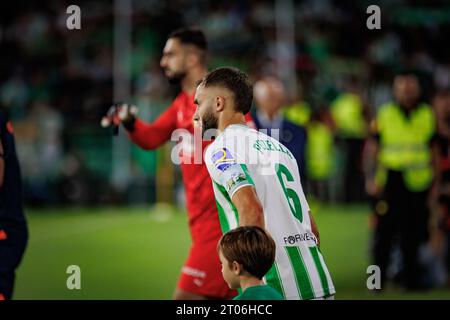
(209, 121)
(176, 77)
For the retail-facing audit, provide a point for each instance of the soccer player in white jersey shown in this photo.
(256, 181)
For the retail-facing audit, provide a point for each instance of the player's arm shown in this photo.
(151, 136)
(148, 136)
(233, 178)
(249, 207)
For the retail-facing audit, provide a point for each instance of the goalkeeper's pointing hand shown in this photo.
(120, 113)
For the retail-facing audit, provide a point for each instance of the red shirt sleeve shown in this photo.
(151, 136)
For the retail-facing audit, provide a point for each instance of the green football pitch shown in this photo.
(137, 253)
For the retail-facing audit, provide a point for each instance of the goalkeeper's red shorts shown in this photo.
(201, 273)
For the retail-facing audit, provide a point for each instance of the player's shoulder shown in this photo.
(182, 99)
(211, 147)
(233, 139)
(219, 143)
(237, 137)
(214, 149)
(239, 130)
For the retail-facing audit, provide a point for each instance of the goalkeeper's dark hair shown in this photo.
(192, 36)
(235, 81)
(250, 246)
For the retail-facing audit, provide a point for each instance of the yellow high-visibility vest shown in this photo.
(298, 113)
(404, 145)
(347, 112)
(319, 151)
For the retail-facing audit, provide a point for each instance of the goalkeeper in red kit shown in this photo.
(184, 62)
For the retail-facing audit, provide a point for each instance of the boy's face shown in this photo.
(230, 274)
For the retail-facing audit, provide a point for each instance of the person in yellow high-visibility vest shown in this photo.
(319, 155)
(402, 150)
(298, 112)
(350, 117)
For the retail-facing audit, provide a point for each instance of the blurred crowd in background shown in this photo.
(58, 83)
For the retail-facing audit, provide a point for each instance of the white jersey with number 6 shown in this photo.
(240, 157)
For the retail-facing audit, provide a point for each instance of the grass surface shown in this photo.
(137, 253)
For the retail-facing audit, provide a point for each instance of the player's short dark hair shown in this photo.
(250, 246)
(191, 36)
(234, 80)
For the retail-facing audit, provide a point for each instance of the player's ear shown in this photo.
(219, 103)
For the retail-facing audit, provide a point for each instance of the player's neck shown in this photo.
(235, 118)
(189, 83)
(247, 282)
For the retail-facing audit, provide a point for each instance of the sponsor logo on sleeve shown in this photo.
(222, 159)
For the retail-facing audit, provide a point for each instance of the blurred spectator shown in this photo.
(350, 117)
(270, 96)
(401, 153)
(72, 70)
(299, 112)
(441, 104)
(320, 155)
(41, 151)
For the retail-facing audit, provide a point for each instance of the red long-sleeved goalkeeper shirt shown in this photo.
(201, 207)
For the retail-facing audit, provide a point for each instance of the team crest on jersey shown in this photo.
(222, 159)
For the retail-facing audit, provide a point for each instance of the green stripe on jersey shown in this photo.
(249, 178)
(274, 280)
(227, 197)
(323, 277)
(222, 218)
(301, 273)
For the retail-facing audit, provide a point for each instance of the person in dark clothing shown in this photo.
(269, 97)
(403, 154)
(13, 226)
(349, 112)
(441, 104)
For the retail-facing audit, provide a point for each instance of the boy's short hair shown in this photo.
(252, 247)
